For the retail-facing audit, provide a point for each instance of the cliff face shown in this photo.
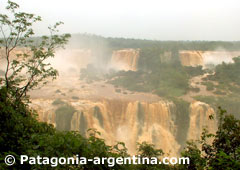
(125, 59)
(133, 121)
(205, 58)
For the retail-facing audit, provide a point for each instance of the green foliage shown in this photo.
(223, 153)
(17, 127)
(149, 58)
(22, 134)
(219, 92)
(209, 85)
(194, 71)
(197, 162)
(206, 99)
(194, 89)
(166, 79)
(230, 72)
(230, 102)
(147, 150)
(29, 68)
(227, 74)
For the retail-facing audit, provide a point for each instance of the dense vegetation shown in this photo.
(22, 134)
(225, 84)
(164, 79)
(227, 74)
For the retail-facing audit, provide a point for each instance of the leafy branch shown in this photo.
(26, 68)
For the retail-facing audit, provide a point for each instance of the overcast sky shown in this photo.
(145, 19)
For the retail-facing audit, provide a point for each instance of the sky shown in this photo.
(143, 19)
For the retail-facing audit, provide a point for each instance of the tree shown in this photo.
(28, 68)
(223, 153)
(147, 150)
(197, 162)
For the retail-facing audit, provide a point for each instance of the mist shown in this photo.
(155, 20)
(219, 56)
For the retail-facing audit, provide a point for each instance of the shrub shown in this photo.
(219, 92)
(209, 85)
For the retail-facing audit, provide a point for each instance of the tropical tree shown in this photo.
(223, 153)
(26, 56)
